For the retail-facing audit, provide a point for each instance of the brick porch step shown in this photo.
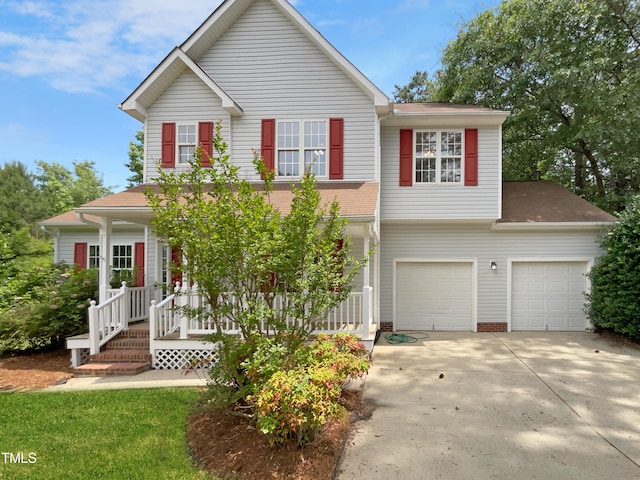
(103, 369)
(127, 354)
(122, 355)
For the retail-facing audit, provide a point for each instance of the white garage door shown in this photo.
(434, 296)
(548, 296)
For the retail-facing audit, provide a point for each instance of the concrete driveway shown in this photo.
(513, 405)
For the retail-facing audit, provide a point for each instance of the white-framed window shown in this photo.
(122, 258)
(301, 145)
(187, 138)
(438, 156)
(94, 256)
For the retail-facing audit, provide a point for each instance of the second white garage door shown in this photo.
(548, 296)
(434, 296)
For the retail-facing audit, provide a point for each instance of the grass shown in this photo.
(117, 434)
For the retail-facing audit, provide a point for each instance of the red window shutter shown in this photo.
(168, 145)
(138, 263)
(176, 263)
(205, 136)
(80, 255)
(268, 143)
(471, 157)
(336, 148)
(406, 158)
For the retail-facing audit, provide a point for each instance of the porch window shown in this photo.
(122, 258)
(438, 156)
(186, 142)
(94, 256)
(301, 146)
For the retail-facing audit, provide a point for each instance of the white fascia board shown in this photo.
(439, 221)
(521, 226)
(228, 103)
(137, 109)
(438, 119)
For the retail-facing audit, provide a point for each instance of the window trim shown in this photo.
(179, 144)
(111, 263)
(95, 246)
(438, 157)
(301, 148)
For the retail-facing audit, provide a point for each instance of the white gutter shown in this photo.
(520, 226)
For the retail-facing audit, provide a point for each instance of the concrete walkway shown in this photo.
(508, 406)
(149, 379)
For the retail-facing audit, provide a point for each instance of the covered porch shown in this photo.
(174, 339)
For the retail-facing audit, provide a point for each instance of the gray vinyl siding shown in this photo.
(432, 201)
(479, 243)
(274, 71)
(71, 235)
(187, 100)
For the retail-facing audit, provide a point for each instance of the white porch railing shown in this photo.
(123, 305)
(164, 319)
(354, 315)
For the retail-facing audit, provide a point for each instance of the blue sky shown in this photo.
(65, 65)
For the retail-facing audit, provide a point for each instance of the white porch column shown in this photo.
(365, 270)
(366, 289)
(105, 253)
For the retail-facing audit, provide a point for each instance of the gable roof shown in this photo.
(163, 76)
(544, 202)
(208, 33)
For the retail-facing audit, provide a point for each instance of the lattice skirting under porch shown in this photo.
(85, 355)
(178, 359)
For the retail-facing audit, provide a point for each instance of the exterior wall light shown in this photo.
(494, 265)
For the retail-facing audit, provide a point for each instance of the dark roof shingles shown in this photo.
(544, 201)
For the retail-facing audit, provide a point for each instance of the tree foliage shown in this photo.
(41, 306)
(419, 89)
(568, 71)
(64, 189)
(136, 159)
(614, 301)
(273, 275)
(21, 202)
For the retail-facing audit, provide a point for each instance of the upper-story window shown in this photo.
(438, 156)
(301, 146)
(179, 142)
(186, 142)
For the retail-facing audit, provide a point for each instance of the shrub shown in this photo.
(614, 300)
(42, 306)
(298, 402)
(296, 395)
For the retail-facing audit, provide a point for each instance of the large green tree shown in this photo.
(21, 202)
(64, 189)
(569, 73)
(273, 276)
(136, 159)
(419, 89)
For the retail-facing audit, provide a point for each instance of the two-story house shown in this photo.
(456, 247)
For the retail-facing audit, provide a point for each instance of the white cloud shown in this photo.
(89, 45)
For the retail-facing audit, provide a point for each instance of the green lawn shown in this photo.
(117, 434)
